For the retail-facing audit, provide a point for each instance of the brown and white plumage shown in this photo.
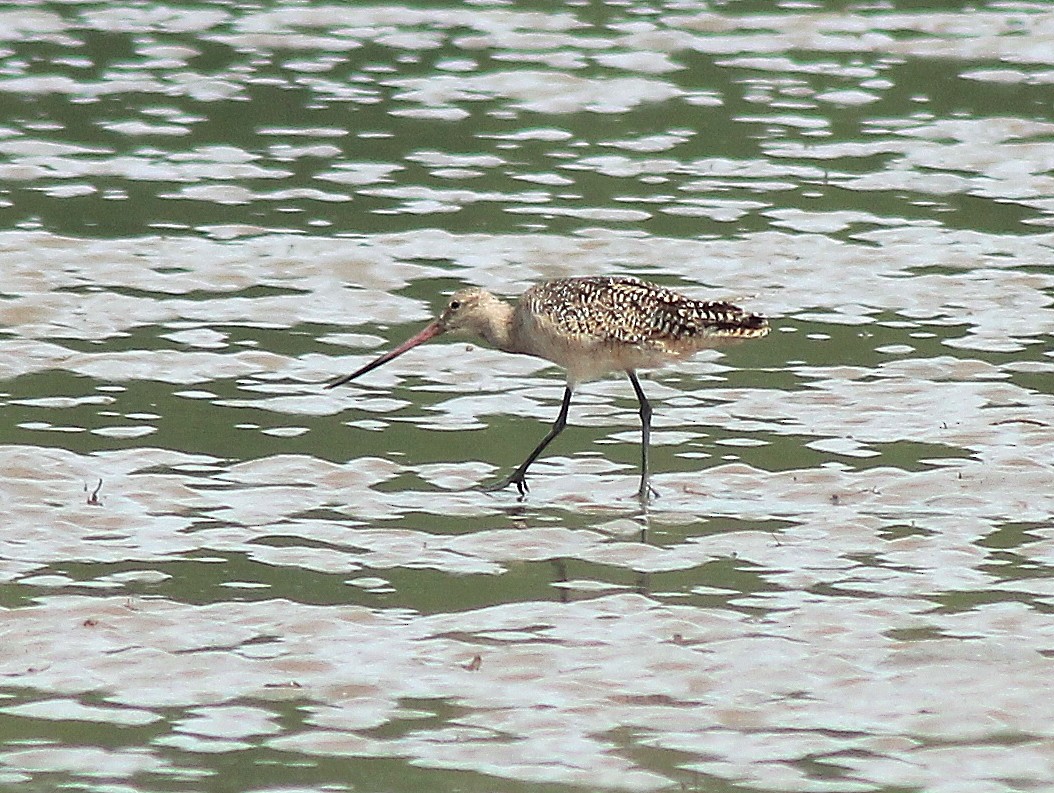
(590, 326)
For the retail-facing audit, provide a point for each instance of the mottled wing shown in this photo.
(633, 312)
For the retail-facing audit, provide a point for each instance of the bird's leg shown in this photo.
(518, 477)
(646, 491)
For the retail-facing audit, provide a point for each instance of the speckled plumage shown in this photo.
(625, 310)
(590, 326)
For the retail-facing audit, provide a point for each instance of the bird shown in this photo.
(590, 326)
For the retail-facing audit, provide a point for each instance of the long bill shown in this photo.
(430, 331)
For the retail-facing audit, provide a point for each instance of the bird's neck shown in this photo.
(496, 327)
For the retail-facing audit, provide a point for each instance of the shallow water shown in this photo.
(215, 575)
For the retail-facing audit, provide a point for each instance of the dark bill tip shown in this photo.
(430, 331)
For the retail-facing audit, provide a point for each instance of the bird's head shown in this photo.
(469, 312)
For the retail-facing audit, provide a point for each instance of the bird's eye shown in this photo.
(455, 305)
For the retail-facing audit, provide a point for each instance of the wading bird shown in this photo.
(589, 326)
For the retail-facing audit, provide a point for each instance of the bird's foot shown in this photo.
(646, 493)
(516, 478)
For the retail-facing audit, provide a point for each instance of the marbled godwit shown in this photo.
(589, 326)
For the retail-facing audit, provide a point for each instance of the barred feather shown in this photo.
(630, 311)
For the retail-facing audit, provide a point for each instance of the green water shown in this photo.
(208, 210)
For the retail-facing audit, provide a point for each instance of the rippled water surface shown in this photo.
(215, 575)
